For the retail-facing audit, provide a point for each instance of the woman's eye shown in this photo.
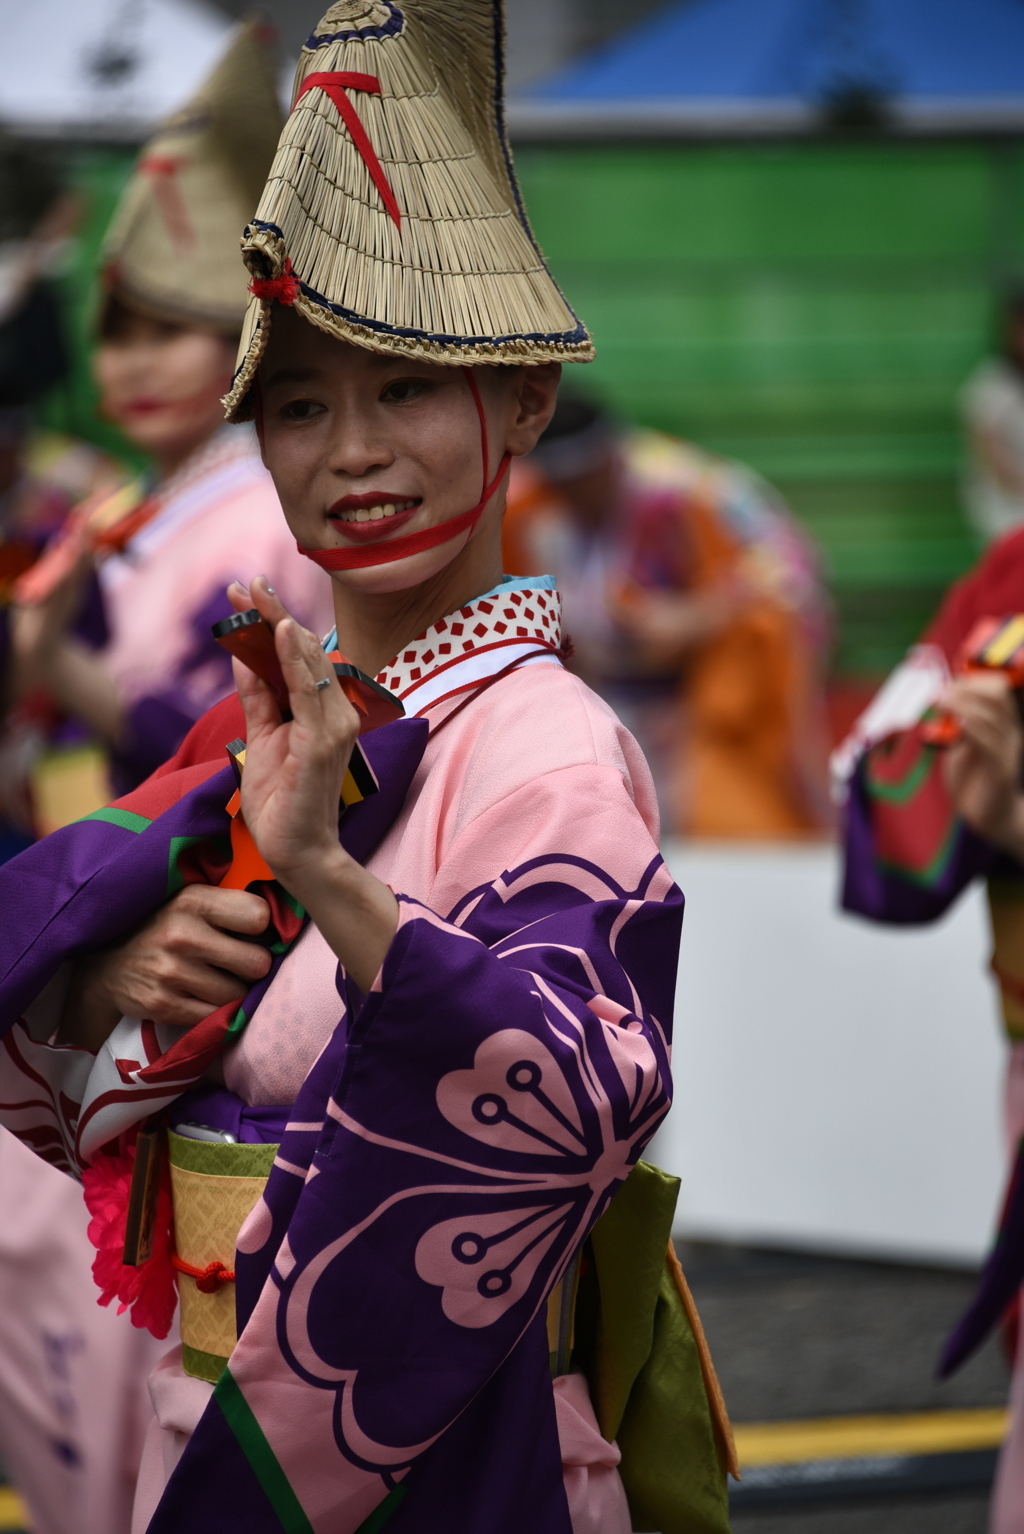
(301, 410)
(402, 389)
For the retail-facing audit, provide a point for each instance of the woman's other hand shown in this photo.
(178, 967)
(983, 769)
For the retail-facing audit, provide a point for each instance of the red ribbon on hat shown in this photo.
(429, 537)
(334, 84)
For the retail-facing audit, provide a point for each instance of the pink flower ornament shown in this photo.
(149, 1291)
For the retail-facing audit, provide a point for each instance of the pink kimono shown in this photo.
(219, 521)
(73, 1402)
(501, 785)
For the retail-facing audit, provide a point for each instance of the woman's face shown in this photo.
(365, 448)
(162, 384)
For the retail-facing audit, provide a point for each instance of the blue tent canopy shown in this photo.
(934, 60)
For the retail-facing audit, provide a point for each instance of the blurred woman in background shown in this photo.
(163, 548)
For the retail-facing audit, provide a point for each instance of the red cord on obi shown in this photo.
(208, 1279)
(430, 537)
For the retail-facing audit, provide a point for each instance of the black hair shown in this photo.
(574, 413)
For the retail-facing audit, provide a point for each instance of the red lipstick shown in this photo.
(143, 406)
(383, 527)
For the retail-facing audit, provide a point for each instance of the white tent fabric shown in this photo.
(105, 69)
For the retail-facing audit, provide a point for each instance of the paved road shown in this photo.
(796, 1336)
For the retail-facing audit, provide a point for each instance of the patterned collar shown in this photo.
(516, 619)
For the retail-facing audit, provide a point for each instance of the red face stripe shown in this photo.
(334, 84)
(429, 537)
(412, 543)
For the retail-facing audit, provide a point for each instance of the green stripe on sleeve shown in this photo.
(176, 846)
(262, 1459)
(126, 819)
(380, 1515)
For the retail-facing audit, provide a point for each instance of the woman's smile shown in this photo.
(375, 514)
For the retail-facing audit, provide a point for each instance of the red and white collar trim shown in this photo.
(472, 644)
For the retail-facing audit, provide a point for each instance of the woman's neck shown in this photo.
(373, 628)
(169, 459)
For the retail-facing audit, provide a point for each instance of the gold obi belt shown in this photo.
(213, 1188)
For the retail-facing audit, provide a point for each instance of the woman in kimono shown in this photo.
(142, 667)
(921, 825)
(441, 1024)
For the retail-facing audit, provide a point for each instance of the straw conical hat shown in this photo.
(172, 248)
(392, 217)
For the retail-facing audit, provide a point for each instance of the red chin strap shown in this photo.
(430, 537)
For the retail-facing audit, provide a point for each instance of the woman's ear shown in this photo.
(536, 390)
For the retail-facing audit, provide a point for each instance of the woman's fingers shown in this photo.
(203, 983)
(259, 594)
(200, 931)
(258, 702)
(304, 665)
(232, 910)
(988, 725)
(239, 596)
(978, 690)
(266, 600)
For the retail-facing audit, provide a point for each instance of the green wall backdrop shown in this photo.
(811, 308)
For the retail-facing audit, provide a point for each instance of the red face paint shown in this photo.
(386, 553)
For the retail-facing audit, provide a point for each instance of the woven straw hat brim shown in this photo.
(172, 247)
(391, 218)
(170, 306)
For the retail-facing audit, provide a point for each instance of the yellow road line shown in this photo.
(935, 1432)
(12, 1511)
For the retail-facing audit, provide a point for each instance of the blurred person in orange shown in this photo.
(695, 607)
(157, 553)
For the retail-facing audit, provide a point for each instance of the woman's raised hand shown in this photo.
(983, 769)
(291, 783)
(291, 790)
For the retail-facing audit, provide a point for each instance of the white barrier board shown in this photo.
(837, 1084)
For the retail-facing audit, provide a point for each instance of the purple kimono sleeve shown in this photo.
(154, 729)
(444, 1164)
(880, 880)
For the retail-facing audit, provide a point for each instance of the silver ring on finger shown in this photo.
(325, 681)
